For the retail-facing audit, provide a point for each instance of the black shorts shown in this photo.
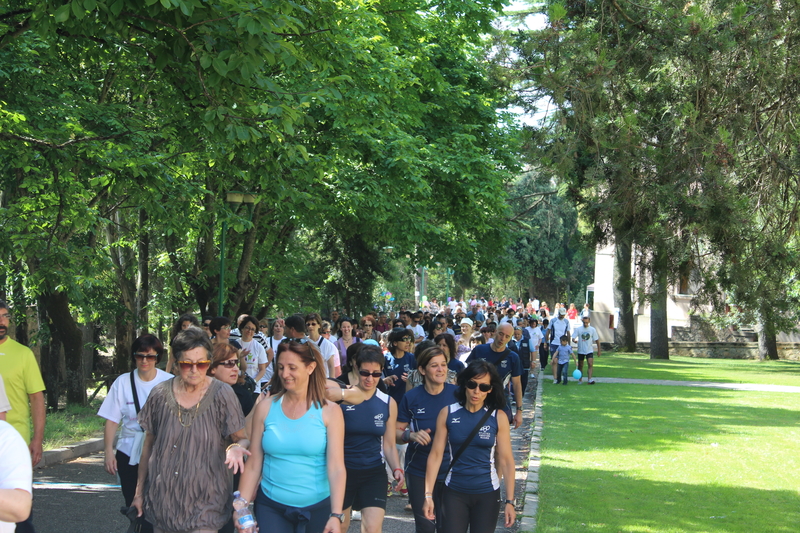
(366, 488)
(582, 356)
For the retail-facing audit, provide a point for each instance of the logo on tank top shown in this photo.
(379, 420)
(455, 420)
(504, 363)
(485, 432)
(349, 407)
(421, 411)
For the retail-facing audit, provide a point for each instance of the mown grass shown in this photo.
(72, 424)
(663, 459)
(640, 366)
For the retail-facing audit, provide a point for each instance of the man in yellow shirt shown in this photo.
(24, 388)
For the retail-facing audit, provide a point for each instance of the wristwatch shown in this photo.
(512, 502)
(340, 516)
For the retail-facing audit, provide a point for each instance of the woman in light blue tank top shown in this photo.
(296, 472)
(471, 497)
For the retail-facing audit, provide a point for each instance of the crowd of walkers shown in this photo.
(317, 422)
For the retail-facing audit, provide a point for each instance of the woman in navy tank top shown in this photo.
(369, 435)
(471, 497)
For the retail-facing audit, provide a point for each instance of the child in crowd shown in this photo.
(563, 353)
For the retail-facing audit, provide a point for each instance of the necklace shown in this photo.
(180, 417)
(189, 410)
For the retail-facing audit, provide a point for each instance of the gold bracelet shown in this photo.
(231, 446)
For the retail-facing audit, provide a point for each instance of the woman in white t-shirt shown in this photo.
(255, 357)
(119, 409)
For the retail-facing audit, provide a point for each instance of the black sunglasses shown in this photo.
(367, 374)
(229, 363)
(143, 356)
(288, 340)
(206, 324)
(484, 387)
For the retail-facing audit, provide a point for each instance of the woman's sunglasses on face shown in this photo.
(202, 366)
(143, 356)
(483, 387)
(230, 363)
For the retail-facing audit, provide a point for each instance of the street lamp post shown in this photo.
(234, 199)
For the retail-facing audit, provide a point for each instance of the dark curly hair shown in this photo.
(495, 398)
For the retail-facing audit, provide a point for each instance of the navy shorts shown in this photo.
(366, 488)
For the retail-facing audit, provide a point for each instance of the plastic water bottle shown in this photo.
(243, 514)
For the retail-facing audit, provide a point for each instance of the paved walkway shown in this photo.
(706, 384)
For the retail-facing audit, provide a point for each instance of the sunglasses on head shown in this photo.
(483, 387)
(367, 374)
(202, 366)
(143, 356)
(230, 363)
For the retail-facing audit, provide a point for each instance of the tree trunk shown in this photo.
(143, 275)
(66, 330)
(659, 338)
(767, 336)
(21, 330)
(123, 343)
(51, 359)
(625, 333)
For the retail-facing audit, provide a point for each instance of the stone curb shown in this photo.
(69, 452)
(531, 500)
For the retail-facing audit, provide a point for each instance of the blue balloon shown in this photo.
(577, 374)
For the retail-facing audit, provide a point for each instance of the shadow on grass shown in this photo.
(634, 361)
(642, 417)
(607, 501)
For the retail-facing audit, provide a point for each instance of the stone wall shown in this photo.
(702, 330)
(788, 351)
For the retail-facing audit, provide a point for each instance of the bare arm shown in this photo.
(505, 459)
(389, 448)
(262, 369)
(109, 433)
(15, 505)
(251, 475)
(337, 475)
(434, 462)
(38, 414)
(517, 383)
(138, 498)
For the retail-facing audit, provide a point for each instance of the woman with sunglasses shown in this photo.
(471, 496)
(368, 330)
(183, 322)
(369, 444)
(416, 427)
(226, 366)
(436, 327)
(119, 409)
(187, 422)
(296, 473)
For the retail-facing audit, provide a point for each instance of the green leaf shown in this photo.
(89, 5)
(556, 12)
(166, 4)
(116, 7)
(62, 13)
(220, 66)
(77, 9)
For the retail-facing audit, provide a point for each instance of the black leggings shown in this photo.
(478, 511)
(416, 497)
(128, 475)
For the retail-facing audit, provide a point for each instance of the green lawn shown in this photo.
(72, 424)
(663, 459)
(640, 366)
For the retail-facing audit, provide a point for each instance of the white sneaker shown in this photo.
(355, 515)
